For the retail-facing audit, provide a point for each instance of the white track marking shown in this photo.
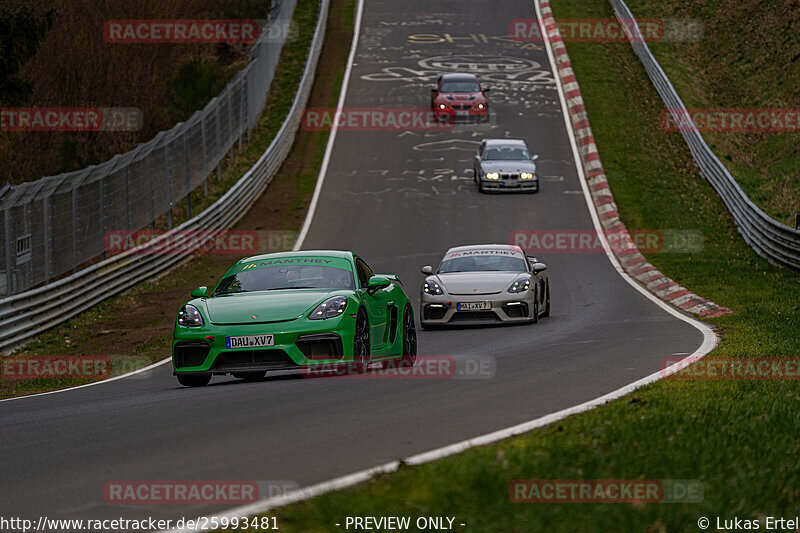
(334, 128)
(709, 343)
(115, 378)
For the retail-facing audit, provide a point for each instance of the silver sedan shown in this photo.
(484, 284)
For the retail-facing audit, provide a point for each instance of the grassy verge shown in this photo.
(733, 436)
(748, 58)
(135, 328)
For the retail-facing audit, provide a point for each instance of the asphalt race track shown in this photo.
(399, 200)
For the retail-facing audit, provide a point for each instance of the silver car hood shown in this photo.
(461, 283)
(508, 167)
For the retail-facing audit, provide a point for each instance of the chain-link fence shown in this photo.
(52, 226)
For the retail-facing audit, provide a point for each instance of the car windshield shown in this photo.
(483, 263)
(460, 87)
(506, 153)
(286, 277)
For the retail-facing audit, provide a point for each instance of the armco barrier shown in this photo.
(778, 243)
(27, 314)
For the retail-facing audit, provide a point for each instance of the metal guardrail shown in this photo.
(32, 312)
(778, 243)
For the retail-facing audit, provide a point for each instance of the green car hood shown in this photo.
(267, 306)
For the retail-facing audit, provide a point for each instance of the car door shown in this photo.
(378, 306)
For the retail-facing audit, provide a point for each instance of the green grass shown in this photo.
(738, 438)
(748, 58)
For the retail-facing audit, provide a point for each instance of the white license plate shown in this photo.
(250, 341)
(462, 113)
(473, 306)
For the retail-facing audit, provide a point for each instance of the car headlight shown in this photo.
(492, 175)
(527, 176)
(190, 317)
(481, 106)
(431, 287)
(521, 285)
(442, 106)
(329, 308)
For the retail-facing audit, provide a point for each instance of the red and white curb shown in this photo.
(631, 260)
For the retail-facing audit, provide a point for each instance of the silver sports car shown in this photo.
(484, 284)
(505, 165)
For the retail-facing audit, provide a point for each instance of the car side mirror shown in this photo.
(434, 90)
(427, 269)
(377, 282)
(200, 292)
(477, 157)
(487, 89)
(535, 157)
(538, 267)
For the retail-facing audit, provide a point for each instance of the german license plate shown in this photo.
(250, 341)
(473, 306)
(462, 113)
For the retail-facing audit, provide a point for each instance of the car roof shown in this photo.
(506, 142)
(455, 76)
(472, 247)
(300, 253)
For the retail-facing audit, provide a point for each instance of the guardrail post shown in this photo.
(797, 221)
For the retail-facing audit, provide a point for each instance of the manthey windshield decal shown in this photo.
(332, 262)
(472, 253)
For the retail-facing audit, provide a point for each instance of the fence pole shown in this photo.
(46, 230)
(74, 230)
(188, 177)
(152, 194)
(10, 249)
(169, 185)
(205, 159)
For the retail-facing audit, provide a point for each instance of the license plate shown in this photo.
(462, 113)
(250, 341)
(473, 306)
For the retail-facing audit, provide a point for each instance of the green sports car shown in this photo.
(293, 310)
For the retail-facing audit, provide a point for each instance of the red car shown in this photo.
(460, 97)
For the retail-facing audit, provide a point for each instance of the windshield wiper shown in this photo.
(284, 288)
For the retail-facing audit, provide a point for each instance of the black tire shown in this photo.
(409, 342)
(361, 344)
(250, 376)
(547, 301)
(535, 318)
(194, 380)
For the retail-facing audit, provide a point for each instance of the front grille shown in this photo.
(190, 353)
(325, 346)
(516, 311)
(472, 316)
(509, 176)
(462, 107)
(431, 312)
(261, 359)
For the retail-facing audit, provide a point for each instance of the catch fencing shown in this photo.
(147, 179)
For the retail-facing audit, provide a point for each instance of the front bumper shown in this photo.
(510, 184)
(465, 115)
(505, 307)
(297, 343)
